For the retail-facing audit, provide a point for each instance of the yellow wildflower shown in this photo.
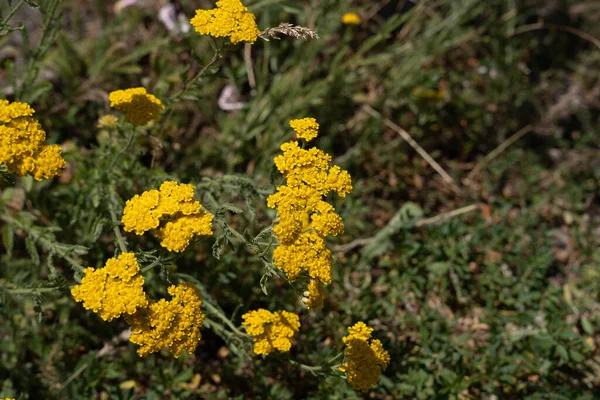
(10, 111)
(175, 204)
(139, 106)
(22, 143)
(316, 295)
(140, 213)
(107, 121)
(308, 253)
(305, 128)
(176, 235)
(351, 19)
(113, 290)
(304, 217)
(271, 331)
(230, 18)
(173, 324)
(364, 361)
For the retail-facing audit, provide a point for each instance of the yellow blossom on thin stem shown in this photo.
(364, 361)
(230, 19)
(114, 290)
(305, 128)
(23, 147)
(139, 106)
(173, 324)
(351, 19)
(271, 331)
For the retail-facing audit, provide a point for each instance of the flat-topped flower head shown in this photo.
(365, 357)
(139, 106)
(170, 212)
(23, 147)
(174, 324)
(230, 19)
(305, 128)
(271, 331)
(114, 290)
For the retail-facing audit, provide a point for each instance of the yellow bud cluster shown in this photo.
(364, 360)
(114, 290)
(304, 217)
(139, 106)
(271, 331)
(174, 207)
(305, 128)
(23, 147)
(229, 19)
(173, 324)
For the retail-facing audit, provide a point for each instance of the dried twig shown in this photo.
(415, 146)
(419, 223)
(285, 28)
(494, 153)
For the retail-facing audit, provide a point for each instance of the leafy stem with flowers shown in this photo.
(167, 217)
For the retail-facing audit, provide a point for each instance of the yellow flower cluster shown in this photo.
(114, 290)
(271, 331)
(316, 295)
(305, 128)
(365, 360)
(139, 106)
(23, 147)
(174, 205)
(117, 290)
(230, 18)
(304, 217)
(351, 19)
(173, 324)
(107, 121)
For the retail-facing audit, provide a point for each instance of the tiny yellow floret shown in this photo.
(271, 331)
(139, 106)
(364, 361)
(351, 19)
(229, 19)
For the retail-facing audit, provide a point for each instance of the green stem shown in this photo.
(45, 243)
(113, 216)
(32, 290)
(154, 263)
(12, 12)
(123, 150)
(212, 309)
(187, 87)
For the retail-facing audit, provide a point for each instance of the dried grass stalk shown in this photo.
(285, 28)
